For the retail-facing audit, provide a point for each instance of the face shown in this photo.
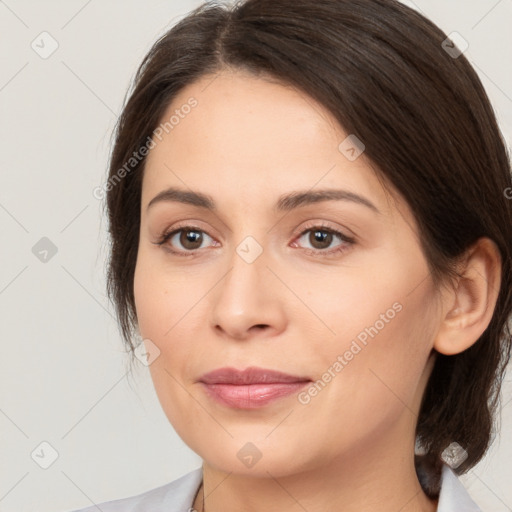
(333, 291)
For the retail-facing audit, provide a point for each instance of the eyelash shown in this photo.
(347, 241)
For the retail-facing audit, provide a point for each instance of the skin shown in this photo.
(351, 447)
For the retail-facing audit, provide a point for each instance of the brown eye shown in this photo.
(320, 239)
(190, 239)
(186, 239)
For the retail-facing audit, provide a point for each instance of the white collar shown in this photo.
(178, 496)
(453, 496)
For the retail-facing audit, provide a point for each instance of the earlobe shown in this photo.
(469, 306)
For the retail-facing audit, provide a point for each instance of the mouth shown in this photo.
(250, 388)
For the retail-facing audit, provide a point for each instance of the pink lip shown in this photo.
(250, 388)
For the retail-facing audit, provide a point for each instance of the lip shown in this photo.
(250, 388)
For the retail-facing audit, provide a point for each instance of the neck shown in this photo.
(375, 477)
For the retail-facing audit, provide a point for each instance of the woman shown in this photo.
(310, 231)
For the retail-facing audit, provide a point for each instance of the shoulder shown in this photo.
(453, 496)
(176, 496)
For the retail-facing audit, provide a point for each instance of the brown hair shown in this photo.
(381, 69)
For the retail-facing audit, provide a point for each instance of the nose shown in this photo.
(249, 301)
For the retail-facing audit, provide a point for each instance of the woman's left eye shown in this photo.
(320, 238)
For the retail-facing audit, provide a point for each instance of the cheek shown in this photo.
(162, 309)
(162, 298)
(379, 354)
(170, 310)
(381, 329)
(358, 303)
(375, 386)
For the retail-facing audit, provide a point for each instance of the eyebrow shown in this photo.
(285, 202)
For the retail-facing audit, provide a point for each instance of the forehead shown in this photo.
(252, 138)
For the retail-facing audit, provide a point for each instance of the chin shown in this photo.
(257, 458)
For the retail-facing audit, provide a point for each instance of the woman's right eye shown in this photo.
(190, 238)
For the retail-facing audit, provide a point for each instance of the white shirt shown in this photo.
(178, 496)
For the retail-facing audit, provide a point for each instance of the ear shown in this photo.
(469, 305)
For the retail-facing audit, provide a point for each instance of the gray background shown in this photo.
(63, 370)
